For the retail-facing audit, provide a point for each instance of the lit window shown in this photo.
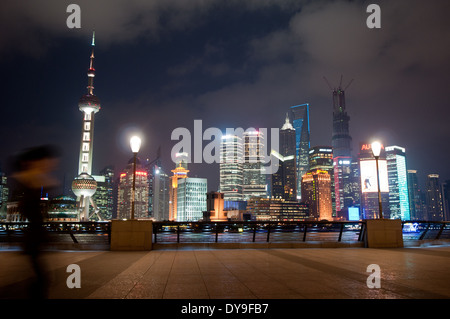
(85, 157)
(87, 116)
(87, 126)
(86, 136)
(85, 147)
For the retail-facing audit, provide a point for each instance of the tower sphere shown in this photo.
(89, 103)
(84, 185)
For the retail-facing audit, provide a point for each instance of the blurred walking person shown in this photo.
(33, 171)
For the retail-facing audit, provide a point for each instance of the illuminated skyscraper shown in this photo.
(254, 181)
(342, 155)
(84, 185)
(415, 201)
(178, 173)
(316, 192)
(104, 196)
(232, 167)
(277, 209)
(161, 193)
(398, 183)
(300, 122)
(321, 157)
(342, 184)
(284, 180)
(191, 199)
(434, 203)
(125, 191)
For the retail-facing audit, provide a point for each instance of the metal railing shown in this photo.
(421, 230)
(257, 231)
(86, 233)
(99, 233)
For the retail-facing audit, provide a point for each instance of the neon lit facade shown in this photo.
(398, 183)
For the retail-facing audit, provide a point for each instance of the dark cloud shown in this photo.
(163, 64)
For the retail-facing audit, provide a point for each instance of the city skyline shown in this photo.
(232, 69)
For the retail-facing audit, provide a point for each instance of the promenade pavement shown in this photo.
(308, 273)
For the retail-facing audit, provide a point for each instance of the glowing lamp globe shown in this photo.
(376, 148)
(84, 185)
(135, 143)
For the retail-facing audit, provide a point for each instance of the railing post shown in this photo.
(304, 232)
(340, 232)
(268, 232)
(361, 232)
(217, 233)
(254, 232)
(178, 233)
(424, 233)
(440, 231)
(155, 230)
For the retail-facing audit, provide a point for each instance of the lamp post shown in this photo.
(376, 150)
(135, 143)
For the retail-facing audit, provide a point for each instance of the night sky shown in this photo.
(163, 64)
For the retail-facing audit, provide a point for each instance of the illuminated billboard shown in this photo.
(353, 213)
(369, 176)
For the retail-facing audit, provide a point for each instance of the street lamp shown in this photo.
(376, 150)
(135, 143)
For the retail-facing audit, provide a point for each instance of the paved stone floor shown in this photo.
(322, 273)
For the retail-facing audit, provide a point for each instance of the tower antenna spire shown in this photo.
(91, 71)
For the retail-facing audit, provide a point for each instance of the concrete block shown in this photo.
(131, 234)
(384, 233)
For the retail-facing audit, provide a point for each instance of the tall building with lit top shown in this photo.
(179, 173)
(316, 192)
(321, 157)
(254, 181)
(84, 185)
(232, 167)
(398, 183)
(300, 122)
(125, 192)
(284, 180)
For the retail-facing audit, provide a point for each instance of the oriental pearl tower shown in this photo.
(84, 185)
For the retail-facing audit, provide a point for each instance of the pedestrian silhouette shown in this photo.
(32, 171)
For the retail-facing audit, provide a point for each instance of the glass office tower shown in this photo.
(300, 122)
(231, 167)
(254, 181)
(191, 199)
